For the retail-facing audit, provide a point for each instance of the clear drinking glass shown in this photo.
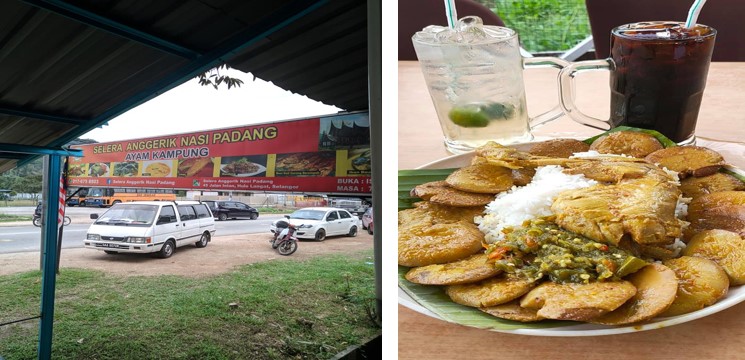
(474, 74)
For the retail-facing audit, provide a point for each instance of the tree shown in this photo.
(28, 178)
(28, 184)
(214, 78)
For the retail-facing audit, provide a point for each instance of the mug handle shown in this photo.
(566, 91)
(539, 62)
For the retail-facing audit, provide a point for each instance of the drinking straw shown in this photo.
(450, 13)
(693, 13)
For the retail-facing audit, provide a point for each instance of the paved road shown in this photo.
(22, 237)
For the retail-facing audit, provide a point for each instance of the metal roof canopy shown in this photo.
(67, 67)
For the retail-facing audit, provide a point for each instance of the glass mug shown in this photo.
(658, 73)
(474, 74)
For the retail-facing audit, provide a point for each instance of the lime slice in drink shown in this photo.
(479, 114)
(469, 116)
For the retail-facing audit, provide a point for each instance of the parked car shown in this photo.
(151, 227)
(356, 207)
(319, 222)
(367, 220)
(223, 210)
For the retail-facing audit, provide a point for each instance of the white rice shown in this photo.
(513, 207)
(591, 154)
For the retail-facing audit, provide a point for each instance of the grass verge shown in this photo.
(9, 218)
(272, 310)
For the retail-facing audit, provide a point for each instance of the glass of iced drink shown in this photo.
(474, 74)
(657, 77)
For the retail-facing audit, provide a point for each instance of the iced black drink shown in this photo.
(659, 76)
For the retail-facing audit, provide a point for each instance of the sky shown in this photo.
(192, 107)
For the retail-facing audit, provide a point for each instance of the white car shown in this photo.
(151, 227)
(319, 222)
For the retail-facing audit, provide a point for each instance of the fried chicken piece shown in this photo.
(643, 209)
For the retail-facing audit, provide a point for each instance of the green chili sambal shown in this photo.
(541, 248)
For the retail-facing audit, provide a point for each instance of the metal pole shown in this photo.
(49, 257)
(44, 196)
(374, 81)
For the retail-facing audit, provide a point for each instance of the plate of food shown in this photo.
(156, 169)
(564, 238)
(76, 170)
(127, 168)
(361, 162)
(98, 169)
(199, 167)
(241, 168)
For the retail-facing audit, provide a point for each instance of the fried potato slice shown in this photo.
(489, 292)
(631, 143)
(656, 286)
(559, 148)
(578, 302)
(426, 243)
(693, 187)
(688, 160)
(512, 311)
(723, 210)
(701, 282)
(723, 247)
(442, 193)
(430, 213)
(469, 270)
(482, 178)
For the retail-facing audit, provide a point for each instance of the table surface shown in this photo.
(720, 336)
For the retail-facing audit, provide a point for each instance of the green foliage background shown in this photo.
(28, 178)
(544, 25)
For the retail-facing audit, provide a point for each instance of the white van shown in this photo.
(151, 227)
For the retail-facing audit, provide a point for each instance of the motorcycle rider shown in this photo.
(37, 211)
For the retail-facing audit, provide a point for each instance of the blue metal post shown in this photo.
(48, 275)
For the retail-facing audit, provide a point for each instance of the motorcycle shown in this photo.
(281, 225)
(285, 241)
(37, 218)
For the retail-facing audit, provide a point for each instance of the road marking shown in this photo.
(6, 240)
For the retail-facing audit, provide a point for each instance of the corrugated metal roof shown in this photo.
(67, 67)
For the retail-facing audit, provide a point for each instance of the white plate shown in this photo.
(259, 171)
(735, 295)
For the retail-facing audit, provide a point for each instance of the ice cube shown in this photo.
(663, 34)
(468, 30)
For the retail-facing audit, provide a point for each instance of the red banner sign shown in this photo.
(328, 154)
